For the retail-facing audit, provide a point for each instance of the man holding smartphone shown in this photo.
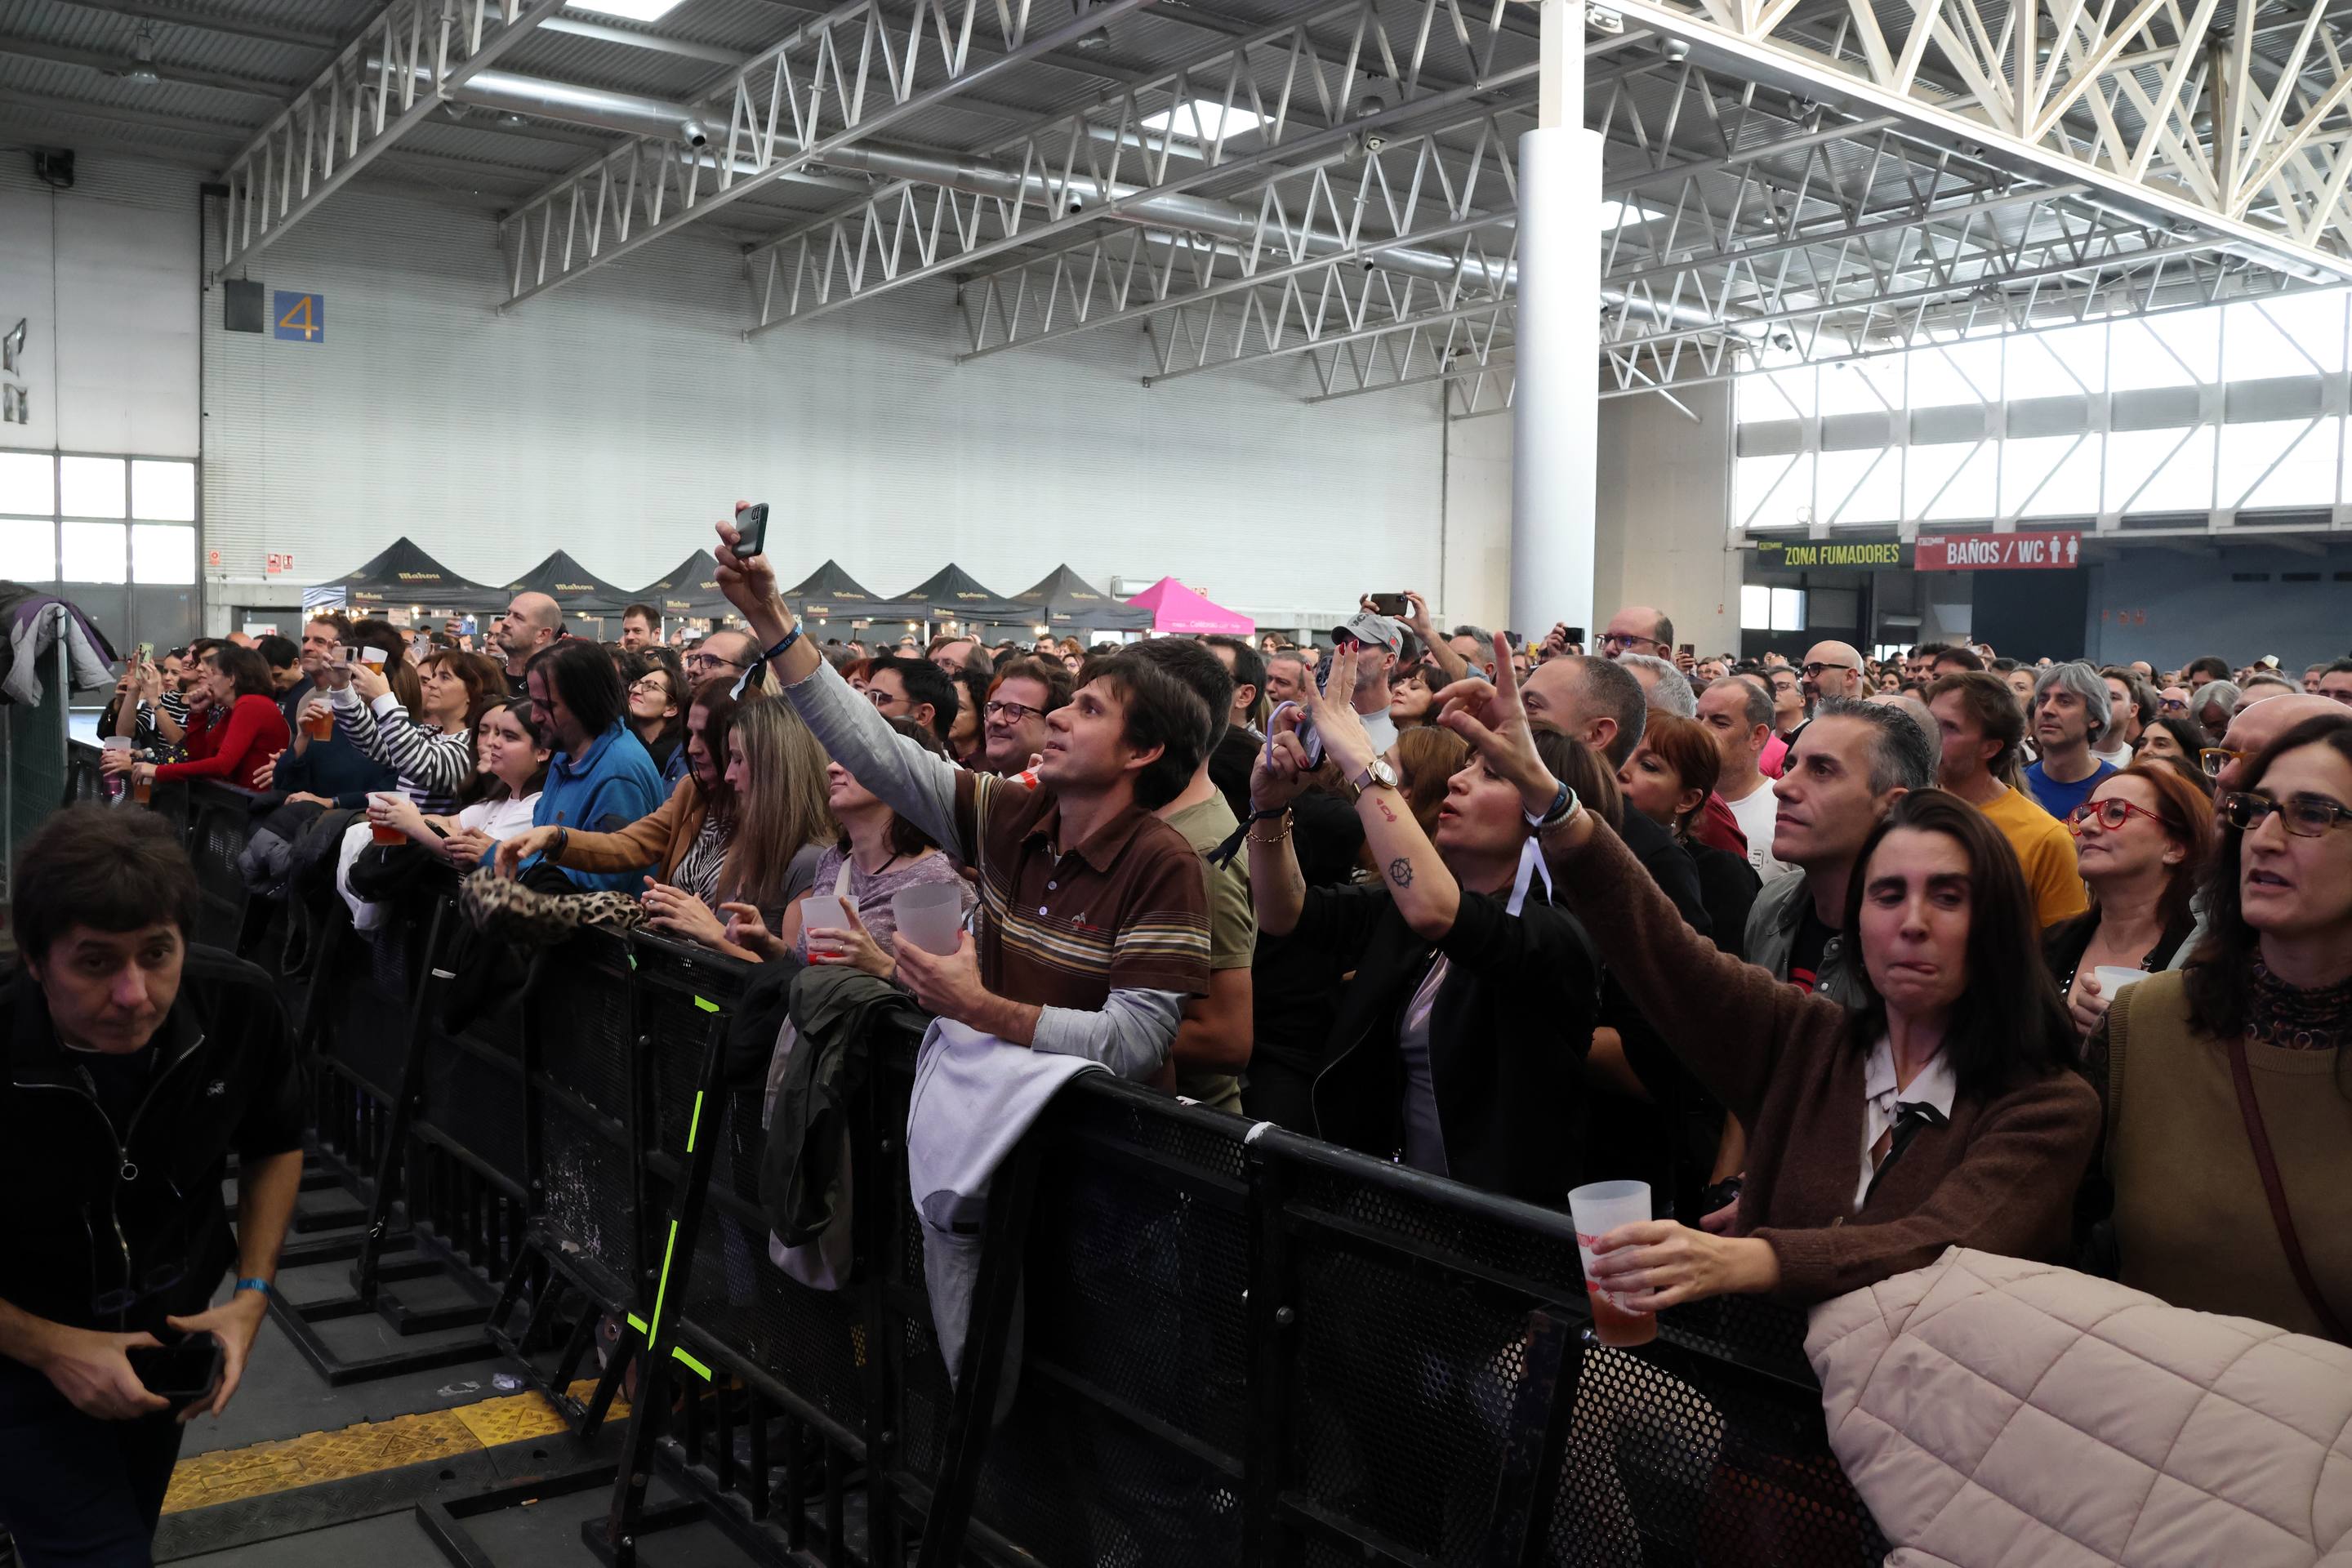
(135, 1063)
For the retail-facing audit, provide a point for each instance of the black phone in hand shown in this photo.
(750, 531)
(186, 1371)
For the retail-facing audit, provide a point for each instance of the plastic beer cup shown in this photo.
(822, 912)
(385, 832)
(1598, 1208)
(319, 722)
(929, 915)
(114, 782)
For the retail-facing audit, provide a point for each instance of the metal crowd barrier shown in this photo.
(1235, 1344)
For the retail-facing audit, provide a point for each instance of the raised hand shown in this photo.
(1491, 716)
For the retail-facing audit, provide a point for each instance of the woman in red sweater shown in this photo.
(244, 729)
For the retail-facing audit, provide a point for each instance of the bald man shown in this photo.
(532, 622)
(2257, 724)
(1831, 669)
(1638, 628)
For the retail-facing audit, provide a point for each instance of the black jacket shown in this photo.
(81, 1199)
(1508, 1036)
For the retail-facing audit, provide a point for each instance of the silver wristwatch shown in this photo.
(1377, 772)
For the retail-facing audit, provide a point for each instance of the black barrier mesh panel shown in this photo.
(581, 1013)
(368, 1001)
(590, 1200)
(1134, 1300)
(477, 1103)
(813, 1340)
(1700, 1464)
(676, 1032)
(1405, 1386)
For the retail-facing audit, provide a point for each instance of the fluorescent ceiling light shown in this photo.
(633, 10)
(1204, 120)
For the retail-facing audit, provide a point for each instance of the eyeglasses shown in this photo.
(2213, 759)
(1621, 639)
(2111, 815)
(1011, 712)
(1815, 670)
(699, 661)
(2306, 816)
(2173, 704)
(881, 699)
(651, 686)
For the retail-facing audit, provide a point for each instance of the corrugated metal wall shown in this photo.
(617, 417)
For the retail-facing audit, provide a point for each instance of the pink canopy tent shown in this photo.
(1176, 608)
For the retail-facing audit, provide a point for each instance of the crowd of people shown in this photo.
(1846, 956)
(1499, 907)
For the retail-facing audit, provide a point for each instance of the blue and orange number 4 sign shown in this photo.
(301, 317)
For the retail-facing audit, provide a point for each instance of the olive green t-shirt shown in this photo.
(1233, 928)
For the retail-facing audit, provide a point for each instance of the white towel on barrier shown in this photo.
(974, 1096)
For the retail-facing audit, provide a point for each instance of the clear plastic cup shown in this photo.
(2114, 977)
(822, 912)
(116, 782)
(1598, 1208)
(929, 915)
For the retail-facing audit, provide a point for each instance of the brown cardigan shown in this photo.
(662, 838)
(2000, 1177)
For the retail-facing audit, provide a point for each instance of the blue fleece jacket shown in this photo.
(610, 785)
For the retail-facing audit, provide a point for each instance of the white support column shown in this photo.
(1557, 403)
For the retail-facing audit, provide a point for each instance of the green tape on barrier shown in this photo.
(661, 1290)
(694, 1127)
(636, 1322)
(707, 1007)
(694, 1364)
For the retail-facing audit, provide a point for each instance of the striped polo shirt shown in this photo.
(1127, 910)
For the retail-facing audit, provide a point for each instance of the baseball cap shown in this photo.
(1373, 630)
(2268, 661)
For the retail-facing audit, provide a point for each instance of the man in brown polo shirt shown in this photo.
(1094, 923)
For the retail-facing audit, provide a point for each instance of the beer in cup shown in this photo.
(1598, 1208)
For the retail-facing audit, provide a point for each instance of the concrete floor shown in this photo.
(372, 1520)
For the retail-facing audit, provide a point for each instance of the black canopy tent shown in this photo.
(690, 590)
(405, 574)
(1065, 599)
(952, 593)
(574, 588)
(830, 594)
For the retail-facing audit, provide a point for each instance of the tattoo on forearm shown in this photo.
(1386, 814)
(1400, 871)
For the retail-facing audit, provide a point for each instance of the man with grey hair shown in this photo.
(2070, 708)
(1844, 770)
(2211, 707)
(1475, 647)
(1663, 687)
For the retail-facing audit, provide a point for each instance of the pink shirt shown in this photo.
(1769, 764)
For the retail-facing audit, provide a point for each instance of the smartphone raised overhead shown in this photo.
(1390, 605)
(750, 529)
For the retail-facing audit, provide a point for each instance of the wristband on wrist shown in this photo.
(252, 1282)
(1563, 804)
(786, 641)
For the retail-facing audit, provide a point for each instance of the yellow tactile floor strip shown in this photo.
(231, 1475)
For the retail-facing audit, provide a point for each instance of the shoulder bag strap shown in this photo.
(2277, 1192)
